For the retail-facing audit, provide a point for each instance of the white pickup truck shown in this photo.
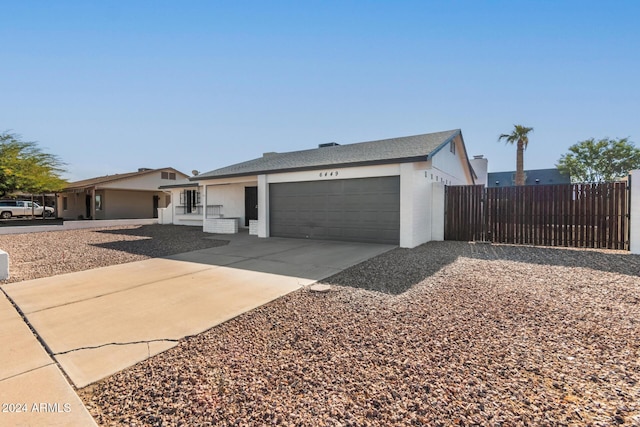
(17, 208)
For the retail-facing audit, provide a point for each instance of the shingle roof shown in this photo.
(544, 177)
(394, 150)
(110, 178)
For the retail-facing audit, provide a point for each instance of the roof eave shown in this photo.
(187, 185)
(466, 156)
(446, 141)
(422, 158)
(118, 177)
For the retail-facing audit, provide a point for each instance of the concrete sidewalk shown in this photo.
(33, 391)
(98, 322)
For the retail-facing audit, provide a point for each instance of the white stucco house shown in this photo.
(387, 191)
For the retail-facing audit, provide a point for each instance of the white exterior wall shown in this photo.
(221, 225)
(338, 173)
(178, 217)
(231, 197)
(165, 215)
(634, 221)
(263, 206)
(253, 227)
(437, 211)
(420, 219)
(411, 208)
(450, 167)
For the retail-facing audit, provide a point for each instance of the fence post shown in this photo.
(634, 212)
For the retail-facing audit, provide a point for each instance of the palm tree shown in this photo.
(520, 137)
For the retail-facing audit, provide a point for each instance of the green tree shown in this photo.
(26, 168)
(520, 137)
(600, 161)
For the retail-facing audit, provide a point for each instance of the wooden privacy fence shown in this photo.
(576, 215)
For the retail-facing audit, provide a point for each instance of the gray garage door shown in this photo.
(358, 210)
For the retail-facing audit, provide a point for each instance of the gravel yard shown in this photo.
(465, 334)
(35, 255)
(450, 333)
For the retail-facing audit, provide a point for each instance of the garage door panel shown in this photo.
(317, 233)
(356, 201)
(375, 234)
(386, 235)
(331, 187)
(319, 216)
(351, 217)
(290, 229)
(388, 217)
(318, 199)
(369, 217)
(386, 199)
(335, 199)
(366, 209)
(384, 185)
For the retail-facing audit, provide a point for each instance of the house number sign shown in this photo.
(332, 173)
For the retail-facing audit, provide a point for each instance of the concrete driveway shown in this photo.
(100, 321)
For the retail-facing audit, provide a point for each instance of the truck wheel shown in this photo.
(5, 215)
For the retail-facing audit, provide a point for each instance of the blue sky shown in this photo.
(111, 86)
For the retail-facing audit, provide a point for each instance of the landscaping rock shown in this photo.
(36, 255)
(449, 333)
(320, 288)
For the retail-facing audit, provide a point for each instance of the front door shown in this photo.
(87, 202)
(156, 203)
(250, 204)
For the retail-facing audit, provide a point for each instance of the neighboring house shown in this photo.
(532, 177)
(379, 191)
(126, 195)
(480, 166)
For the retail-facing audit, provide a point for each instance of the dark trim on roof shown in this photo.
(406, 149)
(464, 147)
(187, 184)
(320, 167)
(444, 144)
